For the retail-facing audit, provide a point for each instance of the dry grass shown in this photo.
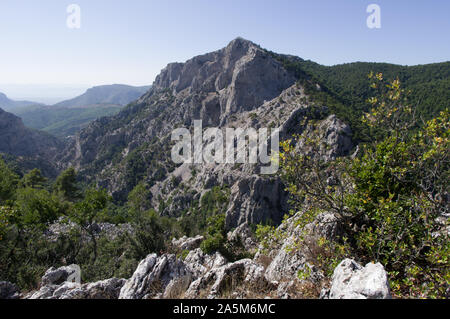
(178, 288)
(155, 288)
(264, 260)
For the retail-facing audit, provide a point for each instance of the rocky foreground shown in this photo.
(198, 275)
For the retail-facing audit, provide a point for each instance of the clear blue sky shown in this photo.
(131, 41)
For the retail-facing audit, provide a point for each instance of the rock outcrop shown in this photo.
(188, 243)
(63, 283)
(57, 276)
(63, 226)
(335, 135)
(105, 289)
(198, 276)
(352, 281)
(255, 200)
(203, 276)
(225, 279)
(153, 275)
(237, 78)
(288, 257)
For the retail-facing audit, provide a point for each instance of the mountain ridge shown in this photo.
(115, 94)
(27, 147)
(7, 104)
(68, 117)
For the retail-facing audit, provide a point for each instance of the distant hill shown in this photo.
(28, 148)
(62, 121)
(68, 117)
(116, 94)
(8, 104)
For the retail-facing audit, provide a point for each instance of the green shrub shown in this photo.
(36, 207)
(388, 199)
(212, 244)
(66, 185)
(215, 235)
(8, 182)
(149, 234)
(184, 254)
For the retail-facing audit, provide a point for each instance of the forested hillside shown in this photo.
(70, 116)
(344, 87)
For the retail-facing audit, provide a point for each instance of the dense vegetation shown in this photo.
(390, 199)
(30, 204)
(344, 90)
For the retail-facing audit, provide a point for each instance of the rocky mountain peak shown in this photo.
(239, 77)
(240, 46)
(241, 81)
(179, 76)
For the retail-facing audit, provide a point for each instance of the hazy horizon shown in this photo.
(46, 93)
(41, 93)
(129, 43)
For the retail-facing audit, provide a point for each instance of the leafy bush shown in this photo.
(150, 233)
(390, 199)
(66, 184)
(35, 207)
(33, 179)
(215, 235)
(216, 240)
(8, 182)
(213, 202)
